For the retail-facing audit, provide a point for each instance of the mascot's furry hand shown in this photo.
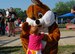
(25, 28)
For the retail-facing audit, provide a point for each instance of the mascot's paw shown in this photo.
(25, 27)
(38, 23)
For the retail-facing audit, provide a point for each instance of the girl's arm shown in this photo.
(40, 37)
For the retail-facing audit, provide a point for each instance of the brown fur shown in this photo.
(53, 30)
(25, 35)
(33, 10)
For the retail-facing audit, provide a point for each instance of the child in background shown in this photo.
(7, 29)
(35, 45)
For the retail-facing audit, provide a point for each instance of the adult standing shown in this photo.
(11, 18)
(73, 9)
(7, 20)
(2, 24)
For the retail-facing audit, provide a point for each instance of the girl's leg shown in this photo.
(38, 52)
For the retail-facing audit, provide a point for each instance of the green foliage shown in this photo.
(64, 7)
(9, 50)
(3, 11)
(66, 49)
(20, 13)
(61, 25)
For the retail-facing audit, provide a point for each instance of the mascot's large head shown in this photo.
(39, 12)
(36, 10)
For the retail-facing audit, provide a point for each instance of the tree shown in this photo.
(20, 13)
(70, 4)
(25, 15)
(63, 7)
(3, 11)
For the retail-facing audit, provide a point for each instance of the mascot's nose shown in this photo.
(37, 22)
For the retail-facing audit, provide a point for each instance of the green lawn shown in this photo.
(66, 50)
(19, 50)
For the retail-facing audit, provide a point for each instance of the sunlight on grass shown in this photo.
(66, 49)
(19, 50)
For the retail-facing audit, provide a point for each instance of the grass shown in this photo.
(19, 50)
(10, 50)
(64, 29)
(66, 49)
(61, 26)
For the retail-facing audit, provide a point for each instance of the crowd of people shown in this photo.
(8, 22)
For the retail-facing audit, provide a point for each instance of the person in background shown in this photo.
(20, 25)
(7, 29)
(73, 9)
(19, 21)
(16, 23)
(2, 23)
(7, 20)
(12, 18)
(7, 13)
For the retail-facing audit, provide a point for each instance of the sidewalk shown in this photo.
(10, 41)
(67, 38)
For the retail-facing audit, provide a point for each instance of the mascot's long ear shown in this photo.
(38, 2)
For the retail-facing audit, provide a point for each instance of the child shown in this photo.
(35, 41)
(7, 29)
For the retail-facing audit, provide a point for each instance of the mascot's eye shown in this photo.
(40, 15)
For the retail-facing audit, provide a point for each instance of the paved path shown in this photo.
(67, 38)
(10, 41)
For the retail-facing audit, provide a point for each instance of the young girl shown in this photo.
(7, 29)
(35, 41)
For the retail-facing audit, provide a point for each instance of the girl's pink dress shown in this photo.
(35, 44)
(7, 29)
